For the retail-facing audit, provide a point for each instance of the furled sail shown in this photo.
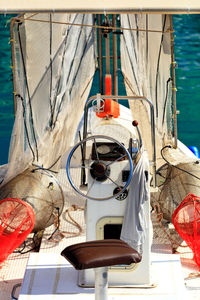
(54, 63)
(145, 62)
(146, 67)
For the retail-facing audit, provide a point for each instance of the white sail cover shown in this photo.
(54, 65)
(145, 63)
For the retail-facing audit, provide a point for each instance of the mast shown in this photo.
(114, 42)
(100, 55)
(173, 66)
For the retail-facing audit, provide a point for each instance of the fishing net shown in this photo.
(186, 219)
(16, 222)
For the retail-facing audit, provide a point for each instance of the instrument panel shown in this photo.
(107, 151)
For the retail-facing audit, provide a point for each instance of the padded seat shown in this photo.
(99, 255)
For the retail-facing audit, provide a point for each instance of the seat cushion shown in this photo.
(100, 253)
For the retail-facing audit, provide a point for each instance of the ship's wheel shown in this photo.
(96, 160)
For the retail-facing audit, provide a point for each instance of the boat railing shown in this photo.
(152, 122)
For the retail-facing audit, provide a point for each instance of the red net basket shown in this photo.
(186, 220)
(16, 222)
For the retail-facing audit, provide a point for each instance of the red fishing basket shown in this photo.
(186, 220)
(17, 220)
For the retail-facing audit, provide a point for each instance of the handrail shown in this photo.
(152, 120)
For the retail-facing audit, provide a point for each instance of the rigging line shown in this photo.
(147, 41)
(131, 63)
(59, 49)
(88, 83)
(166, 97)
(77, 71)
(59, 157)
(59, 80)
(84, 50)
(95, 26)
(27, 88)
(47, 169)
(136, 22)
(21, 19)
(189, 173)
(51, 70)
(133, 38)
(128, 82)
(72, 64)
(42, 168)
(158, 65)
(25, 126)
(69, 72)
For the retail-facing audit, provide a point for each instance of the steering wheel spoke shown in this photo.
(95, 146)
(106, 159)
(109, 178)
(117, 159)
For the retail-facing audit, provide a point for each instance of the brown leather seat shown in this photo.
(100, 253)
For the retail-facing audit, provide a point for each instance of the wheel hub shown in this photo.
(99, 171)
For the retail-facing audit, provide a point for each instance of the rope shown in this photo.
(166, 98)
(37, 167)
(57, 222)
(33, 245)
(189, 173)
(57, 225)
(51, 69)
(159, 217)
(93, 26)
(130, 60)
(158, 67)
(28, 91)
(156, 206)
(193, 275)
(72, 220)
(25, 125)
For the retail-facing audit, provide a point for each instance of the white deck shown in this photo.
(49, 276)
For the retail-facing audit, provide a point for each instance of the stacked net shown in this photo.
(186, 219)
(16, 222)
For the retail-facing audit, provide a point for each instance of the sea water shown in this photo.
(187, 53)
(6, 94)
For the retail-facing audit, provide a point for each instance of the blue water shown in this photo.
(187, 53)
(187, 42)
(6, 95)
